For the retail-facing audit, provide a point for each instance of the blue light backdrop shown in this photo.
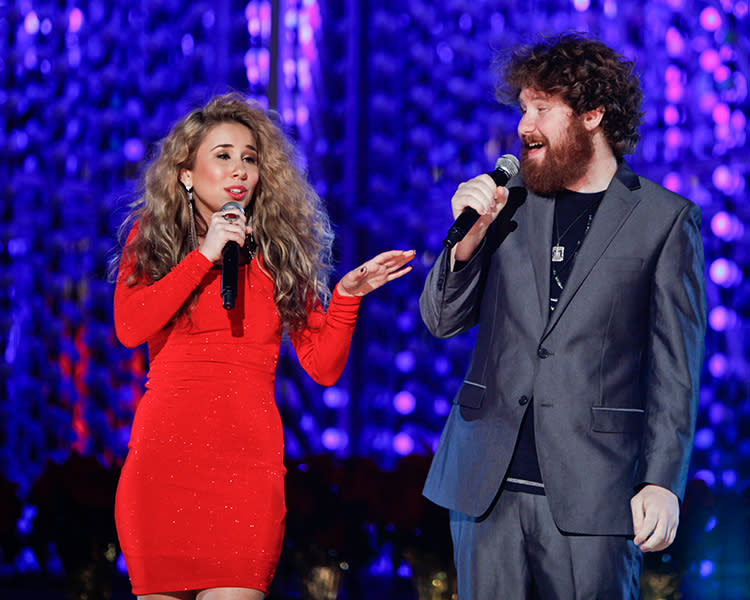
(392, 106)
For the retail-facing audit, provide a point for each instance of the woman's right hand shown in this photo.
(223, 229)
(488, 199)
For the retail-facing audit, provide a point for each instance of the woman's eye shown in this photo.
(223, 155)
(250, 159)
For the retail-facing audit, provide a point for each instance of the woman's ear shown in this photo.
(186, 178)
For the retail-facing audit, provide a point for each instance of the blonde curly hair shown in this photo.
(290, 223)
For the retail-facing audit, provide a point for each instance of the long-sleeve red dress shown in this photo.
(200, 502)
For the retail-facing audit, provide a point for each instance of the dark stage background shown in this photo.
(391, 104)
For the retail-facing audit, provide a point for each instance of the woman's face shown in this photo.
(225, 169)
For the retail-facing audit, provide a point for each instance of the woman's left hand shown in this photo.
(377, 271)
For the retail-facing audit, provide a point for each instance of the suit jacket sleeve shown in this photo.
(675, 354)
(450, 300)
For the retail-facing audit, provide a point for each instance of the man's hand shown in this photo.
(656, 514)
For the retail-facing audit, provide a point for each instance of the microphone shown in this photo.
(230, 261)
(505, 167)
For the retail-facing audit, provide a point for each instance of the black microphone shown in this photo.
(230, 261)
(505, 167)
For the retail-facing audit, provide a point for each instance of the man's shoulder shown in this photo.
(656, 195)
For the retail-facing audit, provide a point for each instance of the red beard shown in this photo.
(561, 165)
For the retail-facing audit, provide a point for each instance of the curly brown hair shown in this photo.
(290, 224)
(586, 74)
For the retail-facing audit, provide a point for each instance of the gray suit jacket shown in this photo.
(614, 372)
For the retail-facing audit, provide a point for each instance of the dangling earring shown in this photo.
(191, 208)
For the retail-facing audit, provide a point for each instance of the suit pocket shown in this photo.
(617, 420)
(470, 394)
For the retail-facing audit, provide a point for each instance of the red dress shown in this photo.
(200, 502)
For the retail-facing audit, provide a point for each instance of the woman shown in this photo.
(200, 503)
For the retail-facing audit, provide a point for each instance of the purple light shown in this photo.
(725, 226)
(673, 137)
(403, 444)
(441, 366)
(441, 406)
(674, 91)
(709, 60)
(738, 121)
(405, 361)
(722, 178)
(718, 365)
(581, 5)
(671, 115)
(721, 318)
(405, 321)
(75, 20)
(710, 524)
(721, 114)
(121, 566)
(610, 8)
(706, 476)
(704, 438)
(717, 413)
(134, 150)
(722, 73)
(706, 568)
(290, 19)
(187, 44)
(208, 19)
(710, 19)
(306, 34)
(404, 570)
(404, 402)
(29, 59)
(26, 521)
(334, 439)
(725, 272)
(673, 74)
(672, 181)
(335, 397)
(729, 478)
(707, 101)
(444, 52)
(31, 23)
(303, 115)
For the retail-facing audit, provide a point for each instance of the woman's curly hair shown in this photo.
(290, 224)
(586, 74)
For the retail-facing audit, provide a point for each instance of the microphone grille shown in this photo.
(508, 164)
(238, 206)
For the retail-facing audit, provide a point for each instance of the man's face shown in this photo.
(556, 146)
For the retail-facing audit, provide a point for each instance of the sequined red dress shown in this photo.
(200, 502)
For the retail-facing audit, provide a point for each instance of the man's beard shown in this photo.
(561, 166)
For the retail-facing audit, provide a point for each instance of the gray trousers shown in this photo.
(516, 552)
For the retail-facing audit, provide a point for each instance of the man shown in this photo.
(566, 452)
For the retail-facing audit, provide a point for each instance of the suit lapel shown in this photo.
(616, 205)
(539, 233)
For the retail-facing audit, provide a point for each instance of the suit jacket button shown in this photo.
(523, 400)
(543, 353)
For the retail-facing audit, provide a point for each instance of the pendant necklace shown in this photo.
(557, 270)
(558, 250)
